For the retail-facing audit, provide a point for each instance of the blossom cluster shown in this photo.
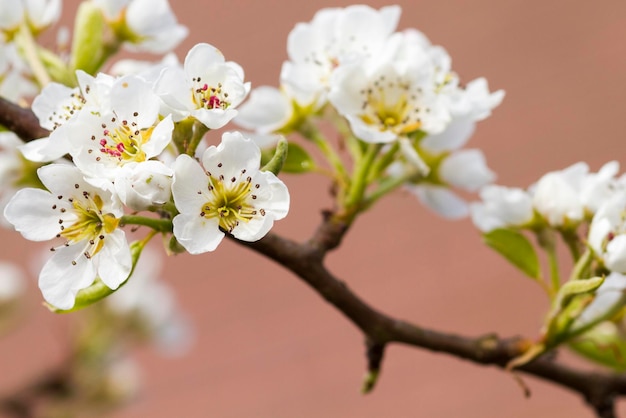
(120, 145)
(133, 146)
(394, 88)
(588, 210)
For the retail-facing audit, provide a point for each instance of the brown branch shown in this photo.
(306, 260)
(21, 121)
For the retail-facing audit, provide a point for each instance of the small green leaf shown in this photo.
(98, 290)
(516, 248)
(298, 160)
(571, 300)
(574, 288)
(281, 153)
(87, 45)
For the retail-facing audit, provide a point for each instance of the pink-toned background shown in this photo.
(267, 346)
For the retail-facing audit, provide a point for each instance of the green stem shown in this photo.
(389, 185)
(160, 225)
(573, 243)
(384, 161)
(310, 132)
(547, 240)
(352, 143)
(359, 182)
(199, 129)
(27, 43)
(581, 267)
(554, 269)
(183, 131)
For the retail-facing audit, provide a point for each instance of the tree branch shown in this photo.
(21, 121)
(599, 389)
(306, 260)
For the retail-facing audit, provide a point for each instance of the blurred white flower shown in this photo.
(144, 25)
(501, 207)
(463, 169)
(152, 301)
(12, 282)
(609, 297)
(607, 233)
(334, 36)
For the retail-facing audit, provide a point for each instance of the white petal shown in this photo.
(235, 153)
(197, 234)
(255, 229)
(456, 134)
(214, 118)
(200, 58)
(466, 169)
(412, 157)
(46, 149)
(31, 212)
(267, 110)
(60, 279)
(615, 257)
(190, 182)
(114, 259)
(160, 138)
(442, 201)
(132, 95)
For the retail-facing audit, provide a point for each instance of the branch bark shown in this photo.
(598, 389)
(21, 121)
(306, 261)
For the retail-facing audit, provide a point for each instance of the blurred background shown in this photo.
(264, 345)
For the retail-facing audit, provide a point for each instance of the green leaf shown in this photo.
(298, 160)
(516, 248)
(88, 42)
(571, 300)
(277, 162)
(98, 290)
(575, 288)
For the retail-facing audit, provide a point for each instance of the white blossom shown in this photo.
(467, 106)
(12, 282)
(145, 25)
(144, 185)
(57, 106)
(334, 36)
(502, 207)
(386, 100)
(130, 132)
(607, 233)
(270, 110)
(86, 218)
(150, 300)
(228, 192)
(38, 14)
(207, 89)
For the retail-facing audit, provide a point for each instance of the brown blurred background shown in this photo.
(266, 345)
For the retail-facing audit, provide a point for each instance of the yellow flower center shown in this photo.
(229, 201)
(391, 106)
(92, 224)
